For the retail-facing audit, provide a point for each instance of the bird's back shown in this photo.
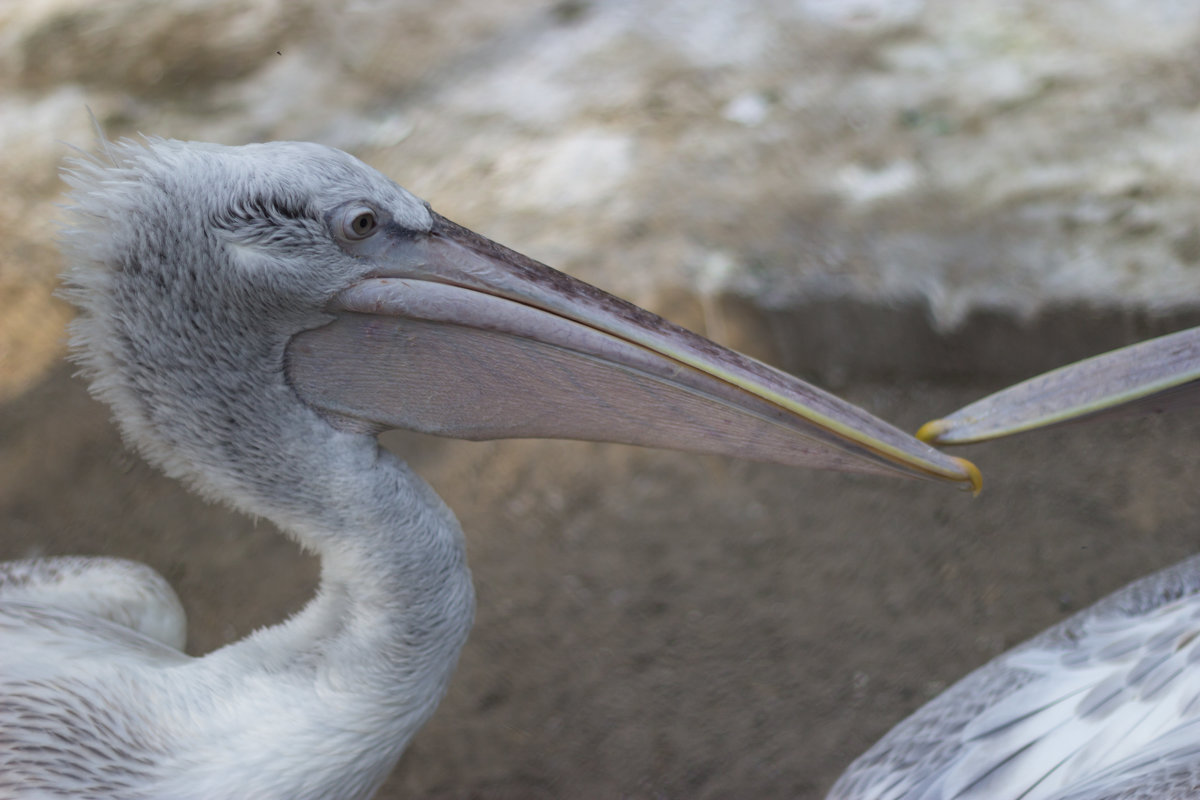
(1104, 705)
(80, 638)
(92, 707)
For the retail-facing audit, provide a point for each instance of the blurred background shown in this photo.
(909, 202)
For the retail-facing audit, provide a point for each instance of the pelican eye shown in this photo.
(358, 223)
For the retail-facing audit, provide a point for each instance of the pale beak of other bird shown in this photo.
(1148, 377)
(521, 350)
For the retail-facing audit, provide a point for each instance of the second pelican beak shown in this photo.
(1151, 376)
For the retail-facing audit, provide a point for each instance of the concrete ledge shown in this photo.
(842, 341)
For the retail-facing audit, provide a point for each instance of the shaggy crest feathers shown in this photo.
(88, 239)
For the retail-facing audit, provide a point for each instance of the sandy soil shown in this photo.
(658, 625)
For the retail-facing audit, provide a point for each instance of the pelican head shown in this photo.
(235, 296)
(194, 266)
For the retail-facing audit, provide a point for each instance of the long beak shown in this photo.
(1152, 376)
(459, 336)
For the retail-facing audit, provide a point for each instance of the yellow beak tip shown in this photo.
(931, 431)
(974, 476)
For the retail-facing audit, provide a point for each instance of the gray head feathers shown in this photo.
(192, 266)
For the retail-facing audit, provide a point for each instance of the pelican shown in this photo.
(254, 316)
(1107, 703)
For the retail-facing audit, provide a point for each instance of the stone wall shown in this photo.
(963, 163)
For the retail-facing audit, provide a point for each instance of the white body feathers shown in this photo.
(1105, 706)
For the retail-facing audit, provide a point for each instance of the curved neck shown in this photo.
(394, 577)
(375, 649)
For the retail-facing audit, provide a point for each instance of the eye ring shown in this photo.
(358, 223)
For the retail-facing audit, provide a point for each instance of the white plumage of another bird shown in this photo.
(254, 316)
